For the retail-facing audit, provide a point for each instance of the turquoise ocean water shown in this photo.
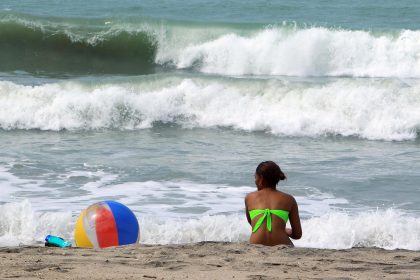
(168, 107)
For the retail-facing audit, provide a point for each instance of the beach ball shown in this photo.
(105, 224)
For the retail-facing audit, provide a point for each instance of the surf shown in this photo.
(49, 49)
(48, 46)
(375, 110)
(303, 52)
(388, 228)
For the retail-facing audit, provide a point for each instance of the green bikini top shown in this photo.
(282, 214)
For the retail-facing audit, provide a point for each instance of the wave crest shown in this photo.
(388, 229)
(381, 110)
(304, 52)
(41, 46)
(52, 49)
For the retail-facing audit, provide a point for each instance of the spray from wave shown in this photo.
(20, 224)
(388, 229)
(383, 110)
(303, 52)
(43, 46)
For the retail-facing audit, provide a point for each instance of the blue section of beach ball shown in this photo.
(127, 225)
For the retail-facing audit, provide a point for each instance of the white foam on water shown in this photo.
(184, 199)
(10, 184)
(227, 228)
(388, 229)
(176, 199)
(169, 212)
(376, 110)
(185, 212)
(315, 51)
(20, 224)
(103, 178)
(5, 186)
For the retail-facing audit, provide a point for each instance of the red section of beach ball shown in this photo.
(106, 228)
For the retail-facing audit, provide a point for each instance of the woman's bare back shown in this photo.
(273, 200)
(267, 197)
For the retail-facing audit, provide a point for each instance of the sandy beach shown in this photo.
(207, 260)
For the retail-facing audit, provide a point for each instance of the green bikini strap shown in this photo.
(267, 213)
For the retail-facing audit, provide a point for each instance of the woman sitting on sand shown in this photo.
(268, 209)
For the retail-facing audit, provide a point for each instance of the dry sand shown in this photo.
(207, 260)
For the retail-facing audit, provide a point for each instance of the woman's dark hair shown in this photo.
(270, 172)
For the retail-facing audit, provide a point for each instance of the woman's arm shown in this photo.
(296, 231)
(246, 210)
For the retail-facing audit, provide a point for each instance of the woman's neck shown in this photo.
(267, 188)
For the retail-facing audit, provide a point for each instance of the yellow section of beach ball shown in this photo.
(80, 237)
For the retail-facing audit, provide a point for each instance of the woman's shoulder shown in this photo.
(251, 198)
(287, 196)
(251, 195)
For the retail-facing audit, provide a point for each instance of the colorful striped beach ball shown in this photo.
(106, 224)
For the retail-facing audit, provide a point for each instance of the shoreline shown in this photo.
(207, 260)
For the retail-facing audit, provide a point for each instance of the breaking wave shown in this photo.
(388, 229)
(381, 110)
(39, 45)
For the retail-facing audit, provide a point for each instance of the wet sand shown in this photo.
(207, 260)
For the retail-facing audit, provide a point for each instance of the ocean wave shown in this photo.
(38, 45)
(51, 49)
(21, 225)
(381, 110)
(315, 51)
(388, 229)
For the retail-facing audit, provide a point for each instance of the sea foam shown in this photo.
(376, 110)
(21, 225)
(388, 229)
(315, 51)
